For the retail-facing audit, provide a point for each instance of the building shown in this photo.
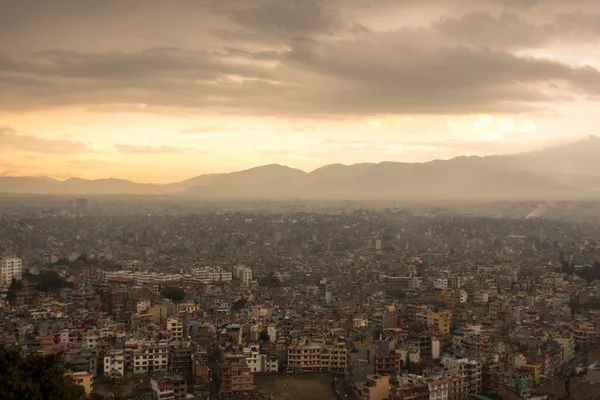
(440, 283)
(11, 267)
(84, 379)
(376, 387)
(243, 273)
(150, 357)
(585, 334)
(256, 361)
(142, 306)
(567, 342)
(176, 328)
(388, 364)
(181, 362)
(169, 388)
(81, 203)
(439, 322)
(114, 363)
(439, 389)
(465, 376)
(236, 378)
(304, 356)
(334, 357)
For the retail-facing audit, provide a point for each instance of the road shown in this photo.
(341, 389)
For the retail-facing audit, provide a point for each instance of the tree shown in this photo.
(50, 281)
(174, 293)
(62, 261)
(35, 376)
(264, 336)
(239, 304)
(13, 289)
(270, 281)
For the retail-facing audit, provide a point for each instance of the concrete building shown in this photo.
(304, 356)
(150, 357)
(243, 273)
(169, 388)
(142, 306)
(176, 328)
(567, 342)
(376, 387)
(439, 389)
(236, 378)
(11, 267)
(256, 362)
(439, 322)
(181, 362)
(440, 283)
(84, 379)
(114, 363)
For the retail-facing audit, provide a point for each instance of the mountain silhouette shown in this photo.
(569, 171)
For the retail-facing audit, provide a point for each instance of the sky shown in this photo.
(161, 91)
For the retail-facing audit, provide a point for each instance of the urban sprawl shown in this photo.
(376, 305)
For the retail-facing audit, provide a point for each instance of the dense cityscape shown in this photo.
(360, 304)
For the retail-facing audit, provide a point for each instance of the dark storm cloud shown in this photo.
(510, 30)
(151, 63)
(304, 58)
(274, 20)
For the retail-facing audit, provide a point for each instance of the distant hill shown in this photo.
(564, 172)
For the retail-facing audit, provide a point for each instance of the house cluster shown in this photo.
(389, 305)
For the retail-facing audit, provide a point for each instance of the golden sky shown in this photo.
(157, 91)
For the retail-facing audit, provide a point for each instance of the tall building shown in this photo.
(11, 267)
(236, 376)
(439, 322)
(243, 273)
(81, 203)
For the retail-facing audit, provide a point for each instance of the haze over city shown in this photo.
(159, 92)
(299, 199)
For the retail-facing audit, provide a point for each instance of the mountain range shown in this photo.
(570, 171)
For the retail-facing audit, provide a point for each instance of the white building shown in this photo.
(142, 306)
(150, 358)
(439, 390)
(208, 275)
(272, 332)
(114, 363)
(256, 362)
(440, 283)
(11, 267)
(243, 273)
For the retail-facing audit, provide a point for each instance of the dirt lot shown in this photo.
(296, 387)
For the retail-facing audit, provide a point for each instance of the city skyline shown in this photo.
(158, 93)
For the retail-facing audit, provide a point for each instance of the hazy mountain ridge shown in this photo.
(568, 171)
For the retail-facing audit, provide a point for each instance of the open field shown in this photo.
(296, 387)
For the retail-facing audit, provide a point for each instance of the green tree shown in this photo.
(14, 288)
(264, 336)
(35, 376)
(50, 281)
(239, 304)
(270, 281)
(174, 293)
(62, 261)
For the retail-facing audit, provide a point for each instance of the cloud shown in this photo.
(309, 58)
(275, 20)
(10, 138)
(131, 149)
(206, 129)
